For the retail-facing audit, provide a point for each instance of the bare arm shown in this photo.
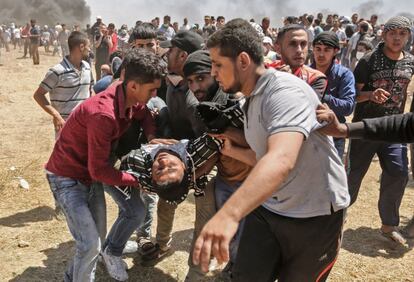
(262, 182)
(40, 98)
(378, 96)
(243, 154)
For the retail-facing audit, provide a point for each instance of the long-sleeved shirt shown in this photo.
(82, 151)
(340, 91)
(396, 128)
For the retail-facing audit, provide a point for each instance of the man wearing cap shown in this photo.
(292, 45)
(382, 77)
(270, 56)
(340, 91)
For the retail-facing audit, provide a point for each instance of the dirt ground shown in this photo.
(35, 246)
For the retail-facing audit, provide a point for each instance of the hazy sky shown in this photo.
(128, 11)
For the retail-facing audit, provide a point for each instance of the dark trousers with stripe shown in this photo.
(394, 164)
(288, 249)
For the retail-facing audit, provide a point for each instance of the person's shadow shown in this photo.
(21, 219)
(369, 242)
(54, 265)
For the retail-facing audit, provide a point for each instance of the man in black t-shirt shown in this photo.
(382, 77)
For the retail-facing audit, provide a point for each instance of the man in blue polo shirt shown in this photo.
(340, 91)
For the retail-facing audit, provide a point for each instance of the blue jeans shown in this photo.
(394, 164)
(223, 192)
(340, 146)
(150, 202)
(83, 215)
(130, 215)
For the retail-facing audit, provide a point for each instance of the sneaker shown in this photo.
(156, 256)
(115, 266)
(395, 236)
(130, 247)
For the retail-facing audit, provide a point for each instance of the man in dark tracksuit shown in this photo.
(382, 77)
(396, 128)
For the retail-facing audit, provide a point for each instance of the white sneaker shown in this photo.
(115, 266)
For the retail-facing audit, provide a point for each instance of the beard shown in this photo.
(207, 95)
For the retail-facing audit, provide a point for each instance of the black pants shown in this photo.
(288, 249)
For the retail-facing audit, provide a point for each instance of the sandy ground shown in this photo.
(35, 246)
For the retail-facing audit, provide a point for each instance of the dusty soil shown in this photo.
(35, 246)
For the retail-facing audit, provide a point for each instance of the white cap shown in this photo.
(268, 40)
(99, 17)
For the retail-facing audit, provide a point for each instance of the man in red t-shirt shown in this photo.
(114, 37)
(81, 156)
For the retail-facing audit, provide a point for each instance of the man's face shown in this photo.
(111, 29)
(201, 85)
(225, 72)
(329, 20)
(354, 18)
(32, 23)
(175, 63)
(336, 24)
(167, 168)
(220, 23)
(265, 24)
(141, 93)
(85, 50)
(207, 21)
(396, 39)
(323, 54)
(147, 44)
(294, 48)
(103, 29)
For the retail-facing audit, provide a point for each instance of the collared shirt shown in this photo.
(82, 150)
(68, 86)
(279, 103)
(340, 92)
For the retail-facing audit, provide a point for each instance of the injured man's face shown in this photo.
(167, 168)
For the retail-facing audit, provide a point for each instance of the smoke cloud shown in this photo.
(133, 10)
(45, 11)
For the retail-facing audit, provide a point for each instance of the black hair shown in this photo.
(365, 43)
(220, 18)
(364, 27)
(286, 29)
(142, 66)
(77, 38)
(290, 19)
(117, 53)
(111, 25)
(235, 37)
(143, 31)
(310, 18)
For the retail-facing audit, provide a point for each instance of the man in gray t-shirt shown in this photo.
(296, 195)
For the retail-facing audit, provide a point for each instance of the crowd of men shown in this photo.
(232, 111)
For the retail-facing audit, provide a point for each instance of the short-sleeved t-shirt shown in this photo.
(282, 102)
(375, 70)
(67, 86)
(35, 31)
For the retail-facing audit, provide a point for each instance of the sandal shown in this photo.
(395, 236)
(156, 256)
(145, 246)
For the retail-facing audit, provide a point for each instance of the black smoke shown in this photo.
(45, 11)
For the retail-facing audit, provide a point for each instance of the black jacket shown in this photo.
(393, 129)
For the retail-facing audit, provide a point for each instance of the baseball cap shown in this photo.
(188, 41)
(267, 39)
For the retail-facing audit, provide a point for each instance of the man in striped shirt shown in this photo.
(68, 83)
